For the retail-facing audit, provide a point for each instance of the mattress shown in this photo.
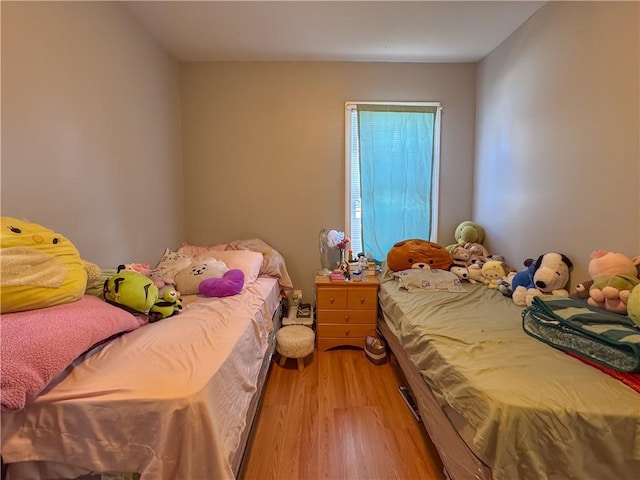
(167, 401)
(527, 410)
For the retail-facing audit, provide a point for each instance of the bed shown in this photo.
(499, 404)
(173, 399)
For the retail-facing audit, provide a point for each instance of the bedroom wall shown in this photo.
(263, 148)
(558, 125)
(91, 129)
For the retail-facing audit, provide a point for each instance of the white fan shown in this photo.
(324, 248)
(328, 241)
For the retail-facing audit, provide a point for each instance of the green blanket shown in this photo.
(571, 324)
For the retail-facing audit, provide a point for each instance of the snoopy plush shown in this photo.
(550, 277)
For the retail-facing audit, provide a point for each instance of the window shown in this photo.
(392, 164)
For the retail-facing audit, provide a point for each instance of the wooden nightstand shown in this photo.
(346, 312)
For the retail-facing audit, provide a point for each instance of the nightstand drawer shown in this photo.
(345, 331)
(331, 298)
(346, 316)
(362, 298)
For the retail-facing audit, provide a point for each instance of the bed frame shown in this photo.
(238, 461)
(239, 458)
(460, 463)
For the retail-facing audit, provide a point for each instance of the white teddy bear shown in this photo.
(188, 279)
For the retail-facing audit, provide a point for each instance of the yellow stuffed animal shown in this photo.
(38, 267)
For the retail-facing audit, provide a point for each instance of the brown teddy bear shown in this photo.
(414, 252)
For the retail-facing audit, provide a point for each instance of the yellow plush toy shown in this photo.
(38, 267)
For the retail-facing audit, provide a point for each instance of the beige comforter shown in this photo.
(531, 411)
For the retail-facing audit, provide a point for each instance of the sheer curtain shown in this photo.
(396, 152)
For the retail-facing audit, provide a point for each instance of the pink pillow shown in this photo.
(39, 344)
(194, 250)
(246, 260)
(231, 283)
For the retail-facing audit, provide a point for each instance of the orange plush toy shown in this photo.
(415, 252)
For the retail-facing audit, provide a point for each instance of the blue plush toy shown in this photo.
(524, 278)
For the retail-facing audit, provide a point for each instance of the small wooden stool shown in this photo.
(294, 341)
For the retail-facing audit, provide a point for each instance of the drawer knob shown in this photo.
(347, 332)
(362, 300)
(347, 318)
(332, 300)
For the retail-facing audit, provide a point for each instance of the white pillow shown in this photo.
(246, 260)
(171, 263)
(426, 279)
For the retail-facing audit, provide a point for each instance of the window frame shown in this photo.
(435, 179)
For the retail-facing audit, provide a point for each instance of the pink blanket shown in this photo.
(39, 344)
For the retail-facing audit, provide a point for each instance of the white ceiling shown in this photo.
(365, 31)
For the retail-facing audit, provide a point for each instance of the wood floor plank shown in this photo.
(341, 418)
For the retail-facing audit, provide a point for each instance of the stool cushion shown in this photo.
(295, 341)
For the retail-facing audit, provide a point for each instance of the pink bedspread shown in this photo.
(39, 344)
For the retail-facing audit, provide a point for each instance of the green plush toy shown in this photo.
(469, 232)
(633, 305)
(132, 291)
(612, 292)
(167, 305)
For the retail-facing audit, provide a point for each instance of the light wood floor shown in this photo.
(341, 418)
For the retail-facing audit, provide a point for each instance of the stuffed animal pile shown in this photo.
(614, 276)
(468, 259)
(41, 268)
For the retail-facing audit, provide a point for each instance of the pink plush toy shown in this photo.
(606, 264)
(614, 275)
(461, 256)
(230, 284)
(477, 253)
